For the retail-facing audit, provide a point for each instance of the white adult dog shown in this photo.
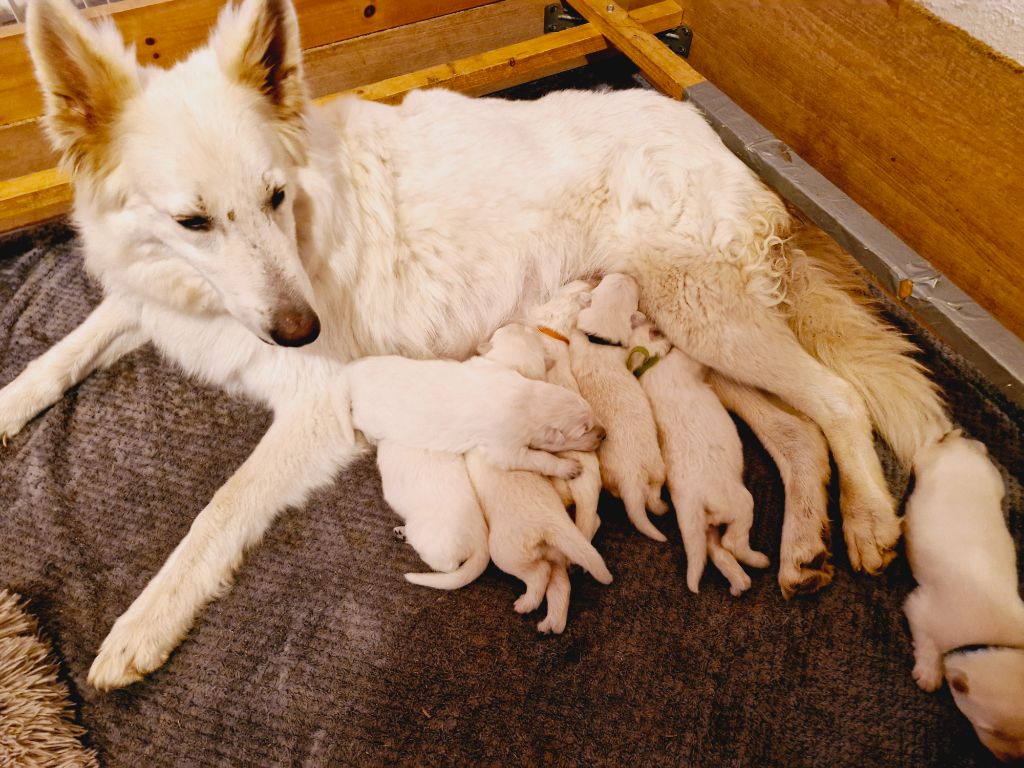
(227, 218)
(966, 615)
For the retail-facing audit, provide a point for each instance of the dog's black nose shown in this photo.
(295, 327)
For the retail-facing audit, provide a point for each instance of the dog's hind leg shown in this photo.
(738, 515)
(634, 499)
(754, 345)
(106, 335)
(586, 492)
(801, 454)
(531, 460)
(693, 526)
(536, 576)
(655, 504)
(557, 595)
(928, 666)
(304, 448)
(739, 581)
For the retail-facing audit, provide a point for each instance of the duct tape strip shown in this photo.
(956, 318)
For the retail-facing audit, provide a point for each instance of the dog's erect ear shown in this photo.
(86, 74)
(257, 45)
(637, 319)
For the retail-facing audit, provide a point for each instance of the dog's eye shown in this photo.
(197, 223)
(277, 198)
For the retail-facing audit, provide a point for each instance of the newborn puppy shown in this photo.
(703, 459)
(531, 536)
(631, 463)
(448, 406)
(555, 321)
(966, 615)
(432, 493)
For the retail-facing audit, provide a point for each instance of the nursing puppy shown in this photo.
(703, 459)
(531, 536)
(966, 615)
(631, 463)
(555, 321)
(476, 404)
(432, 493)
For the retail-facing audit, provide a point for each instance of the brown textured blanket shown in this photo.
(322, 655)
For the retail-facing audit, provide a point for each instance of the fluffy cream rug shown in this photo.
(36, 716)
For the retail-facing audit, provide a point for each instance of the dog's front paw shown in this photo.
(134, 648)
(927, 675)
(872, 530)
(805, 576)
(11, 422)
(568, 469)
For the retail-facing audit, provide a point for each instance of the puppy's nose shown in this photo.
(295, 327)
(600, 434)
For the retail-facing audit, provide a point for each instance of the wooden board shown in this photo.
(483, 73)
(163, 31)
(916, 121)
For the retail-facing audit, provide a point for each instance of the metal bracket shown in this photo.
(558, 18)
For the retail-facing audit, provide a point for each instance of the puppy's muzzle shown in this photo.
(593, 437)
(295, 327)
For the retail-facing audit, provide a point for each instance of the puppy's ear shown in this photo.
(637, 319)
(258, 45)
(86, 74)
(584, 299)
(958, 682)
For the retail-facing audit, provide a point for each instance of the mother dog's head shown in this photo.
(185, 179)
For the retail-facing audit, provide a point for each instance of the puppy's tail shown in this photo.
(837, 321)
(465, 574)
(567, 539)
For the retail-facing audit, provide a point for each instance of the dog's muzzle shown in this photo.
(295, 327)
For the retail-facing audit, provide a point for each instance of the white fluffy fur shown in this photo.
(415, 229)
(479, 403)
(431, 491)
(531, 536)
(631, 463)
(703, 461)
(965, 564)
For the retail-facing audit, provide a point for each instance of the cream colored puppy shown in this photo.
(449, 406)
(432, 493)
(555, 321)
(631, 463)
(531, 536)
(966, 615)
(703, 459)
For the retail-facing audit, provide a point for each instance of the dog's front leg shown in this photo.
(107, 334)
(305, 447)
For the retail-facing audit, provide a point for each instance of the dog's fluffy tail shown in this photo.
(836, 320)
(570, 541)
(465, 574)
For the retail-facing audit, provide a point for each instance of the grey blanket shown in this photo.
(322, 655)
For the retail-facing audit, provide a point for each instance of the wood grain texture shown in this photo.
(669, 73)
(164, 31)
(918, 122)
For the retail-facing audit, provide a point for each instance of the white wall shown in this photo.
(999, 23)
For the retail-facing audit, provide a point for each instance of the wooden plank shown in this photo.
(475, 74)
(669, 73)
(918, 122)
(47, 191)
(164, 31)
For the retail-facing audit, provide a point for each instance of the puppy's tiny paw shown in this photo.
(569, 469)
(526, 603)
(657, 506)
(739, 584)
(927, 676)
(551, 626)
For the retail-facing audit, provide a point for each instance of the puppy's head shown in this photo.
(186, 179)
(568, 421)
(517, 347)
(611, 308)
(988, 687)
(957, 460)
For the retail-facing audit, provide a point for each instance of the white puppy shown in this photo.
(531, 536)
(966, 615)
(631, 463)
(449, 406)
(703, 459)
(555, 321)
(432, 493)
